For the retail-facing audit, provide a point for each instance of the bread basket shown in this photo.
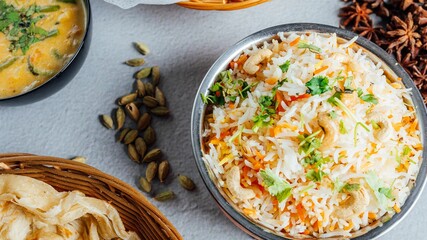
(225, 5)
(137, 213)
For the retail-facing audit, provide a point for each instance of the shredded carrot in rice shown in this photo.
(396, 208)
(301, 212)
(226, 159)
(259, 155)
(397, 126)
(294, 42)
(396, 85)
(214, 141)
(349, 226)
(418, 146)
(372, 215)
(248, 211)
(272, 132)
(319, 70)
(239, 63)
(271, 80)
(332, 227)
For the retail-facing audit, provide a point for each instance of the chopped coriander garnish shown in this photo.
(232, 98)
(374, 124)
(333, 114)
(237, 134)
(265, 102)
(267, 110)
(268, 107)
(406, 150)
(335, 101)
(318, 85)
(19, 25)
(311, 47)
(343, 130)
(338, 185)
(309, 143)
(381, 193)
(226, 89)
(276, 186)
(307, 188)
(336, 95)
(285, 66)
(316, 159)
(386, 192)
(349, 187)
(347, 83)
(359, 92)
(245, 89)
(206, 99)
(315, 176)
(279, 84)
(370, 98)
(260, 121)
(404, 155)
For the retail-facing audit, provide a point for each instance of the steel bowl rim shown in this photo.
(86, 5)
(258, 37)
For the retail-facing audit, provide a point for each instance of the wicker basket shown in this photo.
(201, 5)
(137, 213)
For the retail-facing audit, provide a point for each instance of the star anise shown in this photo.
(368, 31)
(376, 3)
(408, 63)
(420, 76)
(401, 30)
(404, 4)
(354, 14)
(382, 10)
(420, 15)
(404, 35)
(424, 38)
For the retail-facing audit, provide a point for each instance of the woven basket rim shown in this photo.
(15, 161)
(220, 6)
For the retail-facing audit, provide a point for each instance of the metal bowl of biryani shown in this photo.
(309, 131)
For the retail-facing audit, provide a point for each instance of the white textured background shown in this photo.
(184, 43)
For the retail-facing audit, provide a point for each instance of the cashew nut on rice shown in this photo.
(251, 66)
(330, 130)
(384, 130)
(355, 204)
(350, 99)
(233, 183)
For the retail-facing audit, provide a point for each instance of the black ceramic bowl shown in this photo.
(391, 67)
(64, 76)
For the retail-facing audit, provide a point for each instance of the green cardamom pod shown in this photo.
(107, 121)
(163, 170)
(164, 196)
(186, 182)
(145, 185)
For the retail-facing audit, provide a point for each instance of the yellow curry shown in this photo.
(37, 38)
